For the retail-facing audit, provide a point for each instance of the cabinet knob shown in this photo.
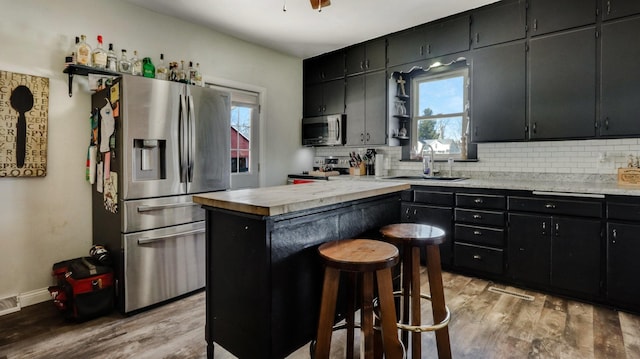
(477, 257)
(477, 216)
(478, 200)
(477, 233)
(614, 235)
(550, 206)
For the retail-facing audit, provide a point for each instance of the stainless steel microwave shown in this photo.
(328, 130)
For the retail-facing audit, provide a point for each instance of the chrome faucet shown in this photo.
(427, 161)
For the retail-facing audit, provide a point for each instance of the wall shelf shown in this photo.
(83, 70)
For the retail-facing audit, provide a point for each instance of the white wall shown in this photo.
(45, 220)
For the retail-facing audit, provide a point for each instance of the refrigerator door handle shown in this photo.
(192, 140)
(147, 240)
(182, 138)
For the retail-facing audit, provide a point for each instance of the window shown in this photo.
(440, 113)
(240, 137)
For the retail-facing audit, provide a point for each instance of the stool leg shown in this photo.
(351, 309)
(437, 300)
(367, 314)
(327, 312)
(391, 344)
(406, 290)
(416, 338)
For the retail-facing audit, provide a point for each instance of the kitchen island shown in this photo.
(264, 276)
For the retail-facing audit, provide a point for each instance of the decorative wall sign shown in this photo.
(24, 116)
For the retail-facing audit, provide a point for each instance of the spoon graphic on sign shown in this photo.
(21, 101)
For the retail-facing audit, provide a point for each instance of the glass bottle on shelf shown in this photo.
(136, 64)
(182, 76)
(199, 81)
(83, 55)
(173, 71)
(112, 60)
(148, 70)
(192, 74)
(161, 70)
(124, 65)
(99, 56)
(70, 59)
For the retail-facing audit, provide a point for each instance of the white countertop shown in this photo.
(271, 201)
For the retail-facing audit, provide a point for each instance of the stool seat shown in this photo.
(412, 237)
(418, 234)
(364, 259)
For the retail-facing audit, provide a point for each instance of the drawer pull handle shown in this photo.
(550, 205)
(477, 216)
(148, 208)
(477, 233)
(147, 240)
(478, 200)
(477, 257)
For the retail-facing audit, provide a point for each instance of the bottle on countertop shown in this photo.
(83, 53)
(99, 56)
(124, 65)
(112, 59)
(148, 70)
(136, 64)
(161, 70)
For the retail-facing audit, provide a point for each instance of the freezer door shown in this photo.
(151, 213)
(209, 140)
(162, 264)
(150, 111)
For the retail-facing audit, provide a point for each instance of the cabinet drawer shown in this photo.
(487, 218)
(433, 197)
(556, 206)
(623, 211)
(479, 258)
(483, 201)
(479, 235)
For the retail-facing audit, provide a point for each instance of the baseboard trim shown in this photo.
(34, 297)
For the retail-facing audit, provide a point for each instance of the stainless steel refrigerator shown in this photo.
(158, 142)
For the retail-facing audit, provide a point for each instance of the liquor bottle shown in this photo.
(191, 74)
(136, 64)
(161, 70)
(173, 71)
(112, 60)
(83, 55)
(199, 81)
(125, 65)
(99, 56)
(182, 76)
(70, 59)
(148, 70)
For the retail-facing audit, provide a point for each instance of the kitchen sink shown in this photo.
(436, 178)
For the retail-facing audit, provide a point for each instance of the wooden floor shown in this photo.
(484, 324)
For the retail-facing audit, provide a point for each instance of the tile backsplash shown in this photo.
(593, 160)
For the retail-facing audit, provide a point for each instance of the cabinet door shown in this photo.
(498, 97)
(562, 80)
(405, 47)
(441, 217)
(623, 266)
(313, 105)
(355, 59)
(447, 37)
(369, 56)
(620, 82)
(575, 255)
(376, 54)
(554, 15)
(375, 108)
(529, 248)
(354, 101)
(502, 22)
(333, 96)
(324, 67)
(612, 9)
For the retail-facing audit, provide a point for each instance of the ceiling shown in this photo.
(303, 32)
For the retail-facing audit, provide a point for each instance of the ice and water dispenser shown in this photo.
(149, 159)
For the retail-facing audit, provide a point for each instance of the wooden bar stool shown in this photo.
(364, 257)
(412, 237)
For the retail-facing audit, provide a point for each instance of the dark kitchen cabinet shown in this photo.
(623, 251)
(497, 23)
(405, 47)
(547, 16)
(498, 94)
(446, 37)
(434, 208)
(620, 83)
(368, 56)
(562, 85)
(325, 67)
(613, 9)
(366, 103)
(563, 229)
(324, 98)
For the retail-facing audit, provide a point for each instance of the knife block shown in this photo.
(361, 170)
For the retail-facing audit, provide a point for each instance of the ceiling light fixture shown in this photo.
(319, 4)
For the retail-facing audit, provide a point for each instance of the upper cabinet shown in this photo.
(620, 83)
(324, 98)
(365, 100)
(368, 56)
(429, 41)
(562, 85)
(613, 9)
(500, 22)
(325, 67)
(547, 16)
